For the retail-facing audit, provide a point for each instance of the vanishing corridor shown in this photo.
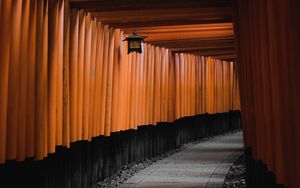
(202, 165)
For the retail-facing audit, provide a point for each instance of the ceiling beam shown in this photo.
(229, 57)
(181, 28)
(211, 52)
(164, 14)
(196, 44)
(189, 35)
(216, 50)
(199, 27)
(137, 23)
(114, 5)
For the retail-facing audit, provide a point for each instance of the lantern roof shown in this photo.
(135, 37)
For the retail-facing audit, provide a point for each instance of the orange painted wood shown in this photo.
(162, 82)
(203, 85)
(138, 5)
(163, 21)
(177, 86)
(151, 84)
(122, 83)
(104, 79)
(121, 97)
(143, 76)
(31, 83)
(74, 33)
(179, 28)
(198, 92)
(92, 91)
(207, 84)
(190, 84)
(81, 42)
(109, 90)
(147, 84)
(180, 90)
(41, 105)
(6, 8)
(115, 17)
(116, 85)
(45, 76)
(52, 75)
(147, 66)
(193, 86)
(132, 97)
(14, 81)
(185, 84)
(128, 72)
(66, 76)
(21, 151)
(140, 101)
(98, 76)
(86, 78)
(165, 86)
(172, 86)
(80, 82)
(60, 60)
(225, 82)
(138, 90)
(275, 89)
(157, 85)
(267, 73)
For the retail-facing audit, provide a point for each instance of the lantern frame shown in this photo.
(134, 43)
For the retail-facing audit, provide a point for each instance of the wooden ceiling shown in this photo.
(201, 27)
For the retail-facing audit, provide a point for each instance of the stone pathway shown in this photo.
(202, 165)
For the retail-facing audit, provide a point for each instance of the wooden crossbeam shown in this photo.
(114, 5)
(200, 27)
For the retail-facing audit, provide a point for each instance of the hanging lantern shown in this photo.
(134, 43)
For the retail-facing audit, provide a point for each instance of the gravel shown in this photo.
(236, 176)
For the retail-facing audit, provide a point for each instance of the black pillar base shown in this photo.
(86, 163)
(257, 173)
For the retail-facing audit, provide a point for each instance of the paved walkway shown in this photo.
(202, 165)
